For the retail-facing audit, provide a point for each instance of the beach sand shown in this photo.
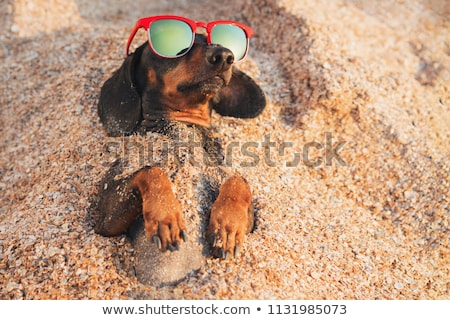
(349, 164)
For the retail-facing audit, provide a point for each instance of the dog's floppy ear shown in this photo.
(241, 98)
(119, 107)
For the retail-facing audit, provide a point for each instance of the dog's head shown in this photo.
(147, 89)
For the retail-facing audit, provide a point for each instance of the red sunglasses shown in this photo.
(173, 36)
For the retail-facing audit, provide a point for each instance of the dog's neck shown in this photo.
(156, 109)
(200, 115)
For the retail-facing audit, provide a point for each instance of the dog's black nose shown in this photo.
(221, 58)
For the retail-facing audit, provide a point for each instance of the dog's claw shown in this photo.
(237, 250)
(171, 248)
(221, 253)
(156, 240)
(183, 236)
(212, 239)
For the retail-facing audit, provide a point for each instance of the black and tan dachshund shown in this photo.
(149, 93)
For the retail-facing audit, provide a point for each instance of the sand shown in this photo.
(349, 163)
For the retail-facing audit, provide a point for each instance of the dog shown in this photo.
(157, 98)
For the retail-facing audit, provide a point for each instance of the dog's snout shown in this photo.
(220, 57)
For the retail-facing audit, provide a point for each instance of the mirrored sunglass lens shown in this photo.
(170, 38)
(231, 37)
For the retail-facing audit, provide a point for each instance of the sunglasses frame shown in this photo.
(147, 21)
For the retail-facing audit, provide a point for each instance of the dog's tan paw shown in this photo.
(162, 211)
(231, 218)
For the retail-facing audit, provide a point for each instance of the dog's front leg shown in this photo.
(161, 210)
(231, 217)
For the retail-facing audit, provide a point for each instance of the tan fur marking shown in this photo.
(161, 210)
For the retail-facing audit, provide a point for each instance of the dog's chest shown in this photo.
(180, 153)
